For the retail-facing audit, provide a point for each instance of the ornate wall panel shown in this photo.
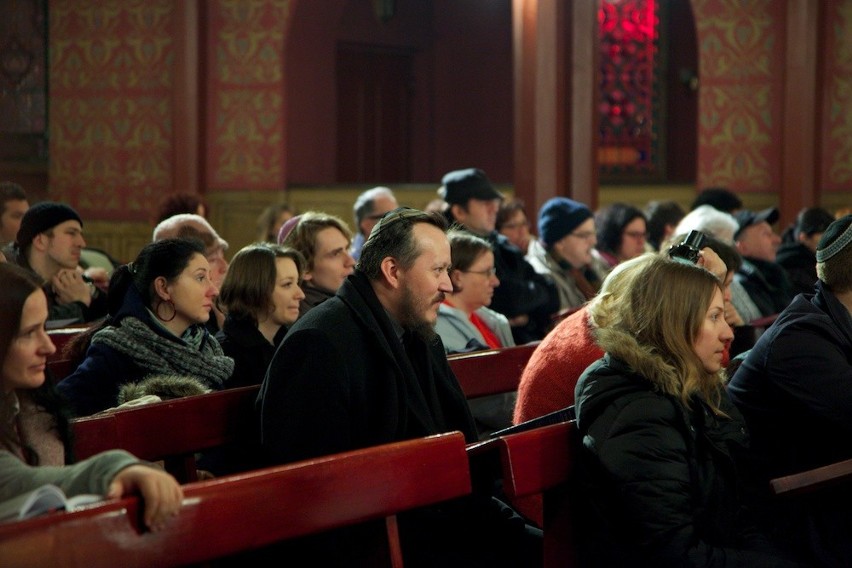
(837, 106)
(110, 113)
(741, 62)
(245, 88)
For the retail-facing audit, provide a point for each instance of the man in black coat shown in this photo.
(795, 391)
(366, 368)
(528, 299)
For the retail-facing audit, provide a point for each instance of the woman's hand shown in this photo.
(160, 492)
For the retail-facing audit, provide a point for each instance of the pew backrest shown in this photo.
(493, 371)
(172, 430)
(243, 512)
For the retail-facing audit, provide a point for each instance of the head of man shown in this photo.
(191, 226)
(407, 259)
(50, 238)
(811, 223)
(370, 206)
(567, 230)
(324, 241)
(471, 200)
(13, 205)
(755, 237)
(834, 258)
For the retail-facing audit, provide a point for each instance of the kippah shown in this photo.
(831, 243)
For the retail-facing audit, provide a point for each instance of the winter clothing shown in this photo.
(658, 480)
(459, 335)
(92, 475)
(134, 346)
(794, 390)
(800, 264)
(558, 217)
(42, 217)
(571, 294)
(346, 376)
(548, 381)
(242, 341)
(314, 296)
(767, 284)
(460, 186)
(522, 291)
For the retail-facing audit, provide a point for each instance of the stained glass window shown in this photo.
(629, 129)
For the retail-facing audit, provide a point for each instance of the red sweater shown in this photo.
(549, 378)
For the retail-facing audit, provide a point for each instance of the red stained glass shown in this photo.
(629, 47)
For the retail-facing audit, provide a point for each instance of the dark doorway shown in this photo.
(374, 93)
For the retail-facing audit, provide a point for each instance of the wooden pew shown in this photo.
(172, 430)
(59, 365)
(536, 467)
(248, 511)
(493, 371)
(813, 479)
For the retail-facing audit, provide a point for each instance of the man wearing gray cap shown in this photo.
(765, 281)
(49, 243)
(526, 298)
(795, 391)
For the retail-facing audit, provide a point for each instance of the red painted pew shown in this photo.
(248, 511)
(494, 371)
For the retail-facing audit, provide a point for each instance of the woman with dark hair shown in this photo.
(28, 435)
(260, 298)
(621, 233)
(154, 332)
(662, 444)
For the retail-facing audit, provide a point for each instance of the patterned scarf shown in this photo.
(162, 356)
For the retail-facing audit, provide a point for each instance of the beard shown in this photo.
(412, 314)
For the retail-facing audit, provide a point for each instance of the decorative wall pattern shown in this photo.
(110, 113)
(836, 128)
(741, 62)
(246, 120)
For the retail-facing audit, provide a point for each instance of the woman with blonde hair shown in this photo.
(662, 443)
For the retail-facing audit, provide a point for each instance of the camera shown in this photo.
(687, 251)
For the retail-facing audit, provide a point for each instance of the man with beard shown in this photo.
(366, 368)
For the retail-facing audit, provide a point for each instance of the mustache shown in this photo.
(439, 297)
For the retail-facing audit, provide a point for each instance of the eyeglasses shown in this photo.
(636, 234)
(518, 225)
(585, 235)
(489, 272)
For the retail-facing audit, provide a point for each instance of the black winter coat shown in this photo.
(659, 482)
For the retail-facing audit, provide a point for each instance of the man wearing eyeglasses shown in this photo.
(567, 238)
(366, 367)
(527, 298)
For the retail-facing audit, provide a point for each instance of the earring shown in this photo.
(165, 303)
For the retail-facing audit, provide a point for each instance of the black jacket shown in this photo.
(800, 264)
(341, 380)
(767, 285)
(658, 481)
(251, 352)
(522, 290)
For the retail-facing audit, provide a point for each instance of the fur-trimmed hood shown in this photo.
(643, 360)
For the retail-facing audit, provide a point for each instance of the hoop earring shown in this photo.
(167, 303)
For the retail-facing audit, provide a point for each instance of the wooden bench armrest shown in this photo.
(812, 479)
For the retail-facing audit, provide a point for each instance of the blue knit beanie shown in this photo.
(558, 217)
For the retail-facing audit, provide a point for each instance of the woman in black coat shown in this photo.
(661, 441)
(260, 298)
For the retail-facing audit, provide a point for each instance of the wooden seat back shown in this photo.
(494, 371)
(172, 430)
(58, 363)
(535, 469)
(248, 511)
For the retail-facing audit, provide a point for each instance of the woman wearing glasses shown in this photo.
(466, 324)
(621, 233)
